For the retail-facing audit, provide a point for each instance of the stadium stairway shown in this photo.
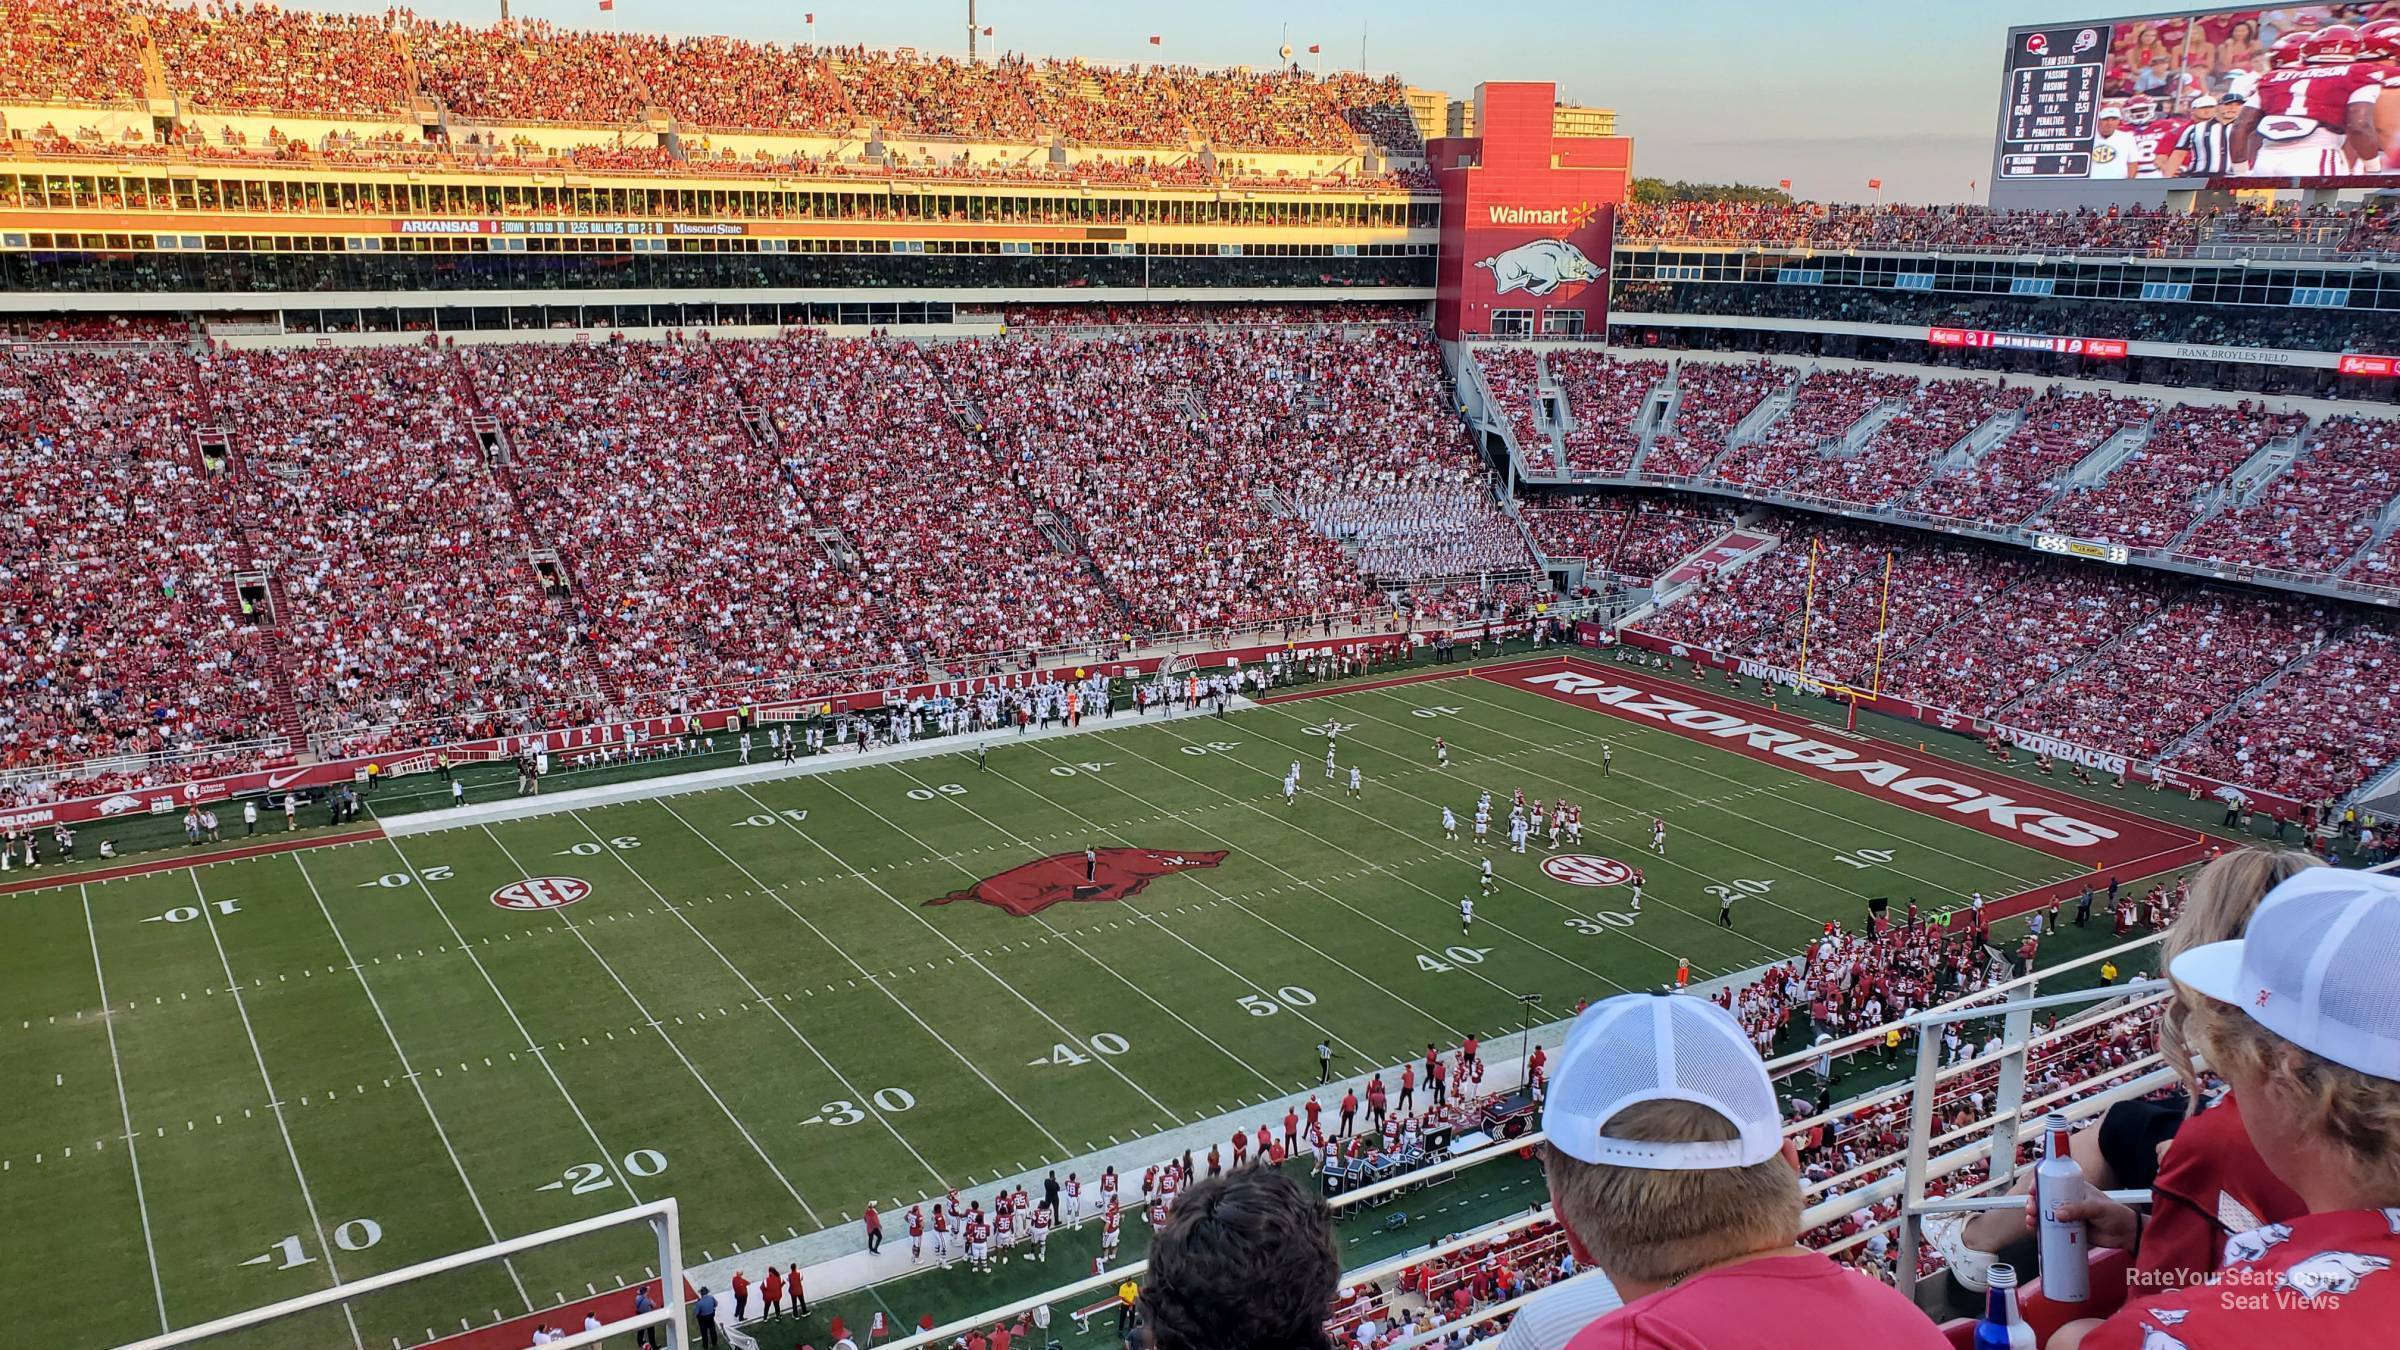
(2247, 483)
(1755, 423)
(1651, 421)
(286, 703)
(2256, 691)
(2115, 641)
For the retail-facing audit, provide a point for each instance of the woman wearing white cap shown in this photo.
(1668, 1166)
(2302, 1019)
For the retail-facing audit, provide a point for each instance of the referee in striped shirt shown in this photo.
(2204, 148)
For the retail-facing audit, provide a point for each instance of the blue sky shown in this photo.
(1827, 95)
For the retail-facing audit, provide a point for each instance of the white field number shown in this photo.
(593, 848)
(762, 820)
(187, 913)
(1289, 996)
(1601, 922)
(938, 790)
(1865, 857)
(1107, 1043)
(586, 1177)
(1436, 710)
(395, 881)
(354, 1235)
(890, 1101)
(1086, 766)
(1735, 890)
(1463, 956)
(1211, 748)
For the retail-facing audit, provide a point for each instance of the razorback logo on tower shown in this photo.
(1112, 874)
(1540, 267)
(541, 893)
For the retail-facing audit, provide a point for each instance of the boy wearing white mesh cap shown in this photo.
(2302, 1018)
(1668, 1166)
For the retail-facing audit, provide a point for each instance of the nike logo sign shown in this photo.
(275, 780)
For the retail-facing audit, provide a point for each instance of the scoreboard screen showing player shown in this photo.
(2294, 94)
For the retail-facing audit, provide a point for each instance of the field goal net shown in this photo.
(494, 1297)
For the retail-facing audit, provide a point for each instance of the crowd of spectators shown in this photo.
(2024, 638)
(2320, 511)
(2116, 230)
(121, 631)
(1633, 542)
(68, 51)
(2331, 330)
(404, 582)
(1825, 405)
(2016, 477)
(1216, 313)
(96, 328)
(1513, 377)
(1192, 463)
(2171, 672)
(2327, 725)
(2157, 491)
(1909, 448)
(2123, 661)
(1603, 396)
(227, 56)
(1711, 400)
(262, 57)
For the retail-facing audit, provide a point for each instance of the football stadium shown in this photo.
(854, 687)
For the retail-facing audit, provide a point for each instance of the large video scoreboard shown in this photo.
(2257, 95)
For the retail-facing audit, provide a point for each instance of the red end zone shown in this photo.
(2077, 829)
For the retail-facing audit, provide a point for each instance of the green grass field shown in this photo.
(340, 1061)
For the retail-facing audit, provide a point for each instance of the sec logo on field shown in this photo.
(541, 893)
(1584, 869)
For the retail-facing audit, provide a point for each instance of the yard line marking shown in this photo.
(1386, 869)
(1200, 879)
(1103, 1060)
(879, 987)
(762, 996)
(267, 1079)
(1085, 952)
(124, 1111)
(1470, 857)
(639, 1006)
(431, 1116)
(1381, 986)
(607, 1158)
(1700, 767)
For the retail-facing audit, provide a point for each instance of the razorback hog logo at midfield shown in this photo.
(1539, 268)
(1116, 874)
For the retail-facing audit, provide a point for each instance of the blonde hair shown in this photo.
(2223, 896)
(1657, 1227)
(2355, 1114)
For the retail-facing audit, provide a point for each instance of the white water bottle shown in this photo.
(2066, 1245)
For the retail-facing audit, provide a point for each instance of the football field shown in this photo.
(782, 1000)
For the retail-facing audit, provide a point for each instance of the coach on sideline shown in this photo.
(1669, 1169)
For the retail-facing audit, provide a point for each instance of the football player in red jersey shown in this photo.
(2317, 118)
(1108, 1230)
(2155, 131)
(916, 1233)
